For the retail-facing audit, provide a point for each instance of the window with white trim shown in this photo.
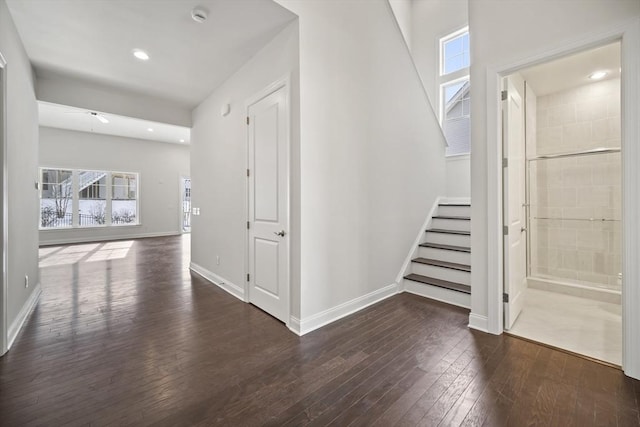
(87, 198)
(455, 101)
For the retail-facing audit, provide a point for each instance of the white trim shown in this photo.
(91, 239)
(629, 33)
(282, 82)
(23, 315)
(220, 282)
(330, 315)
(294, 325)
(406, 265)
(479, 323)
(4, 293)
(459, 156)
(631, 199)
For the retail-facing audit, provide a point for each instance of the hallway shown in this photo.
(124, 334)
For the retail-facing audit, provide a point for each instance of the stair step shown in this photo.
(462, 218)
(443, 264)
(454, 209)
(439, 283)
(440, 230)
(446, 247)
(452, 223)
(446, 237)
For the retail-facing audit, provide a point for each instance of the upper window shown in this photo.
(455, 92)
(454, 50)
(86, 198)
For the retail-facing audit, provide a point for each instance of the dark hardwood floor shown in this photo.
(124, 335)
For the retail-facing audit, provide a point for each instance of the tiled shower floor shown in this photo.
(580, 325)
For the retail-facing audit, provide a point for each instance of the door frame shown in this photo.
(629, 36)
(282, 82)
(4, 293)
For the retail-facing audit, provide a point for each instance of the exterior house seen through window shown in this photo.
(455, 101)
(87, 198)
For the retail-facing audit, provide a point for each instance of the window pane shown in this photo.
(124, 202)
(92, 198)
(56, 199)
(455, 121)
(455, 53)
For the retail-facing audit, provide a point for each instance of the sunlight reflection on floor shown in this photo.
(64, 255)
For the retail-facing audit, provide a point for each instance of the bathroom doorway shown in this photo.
(563, 187)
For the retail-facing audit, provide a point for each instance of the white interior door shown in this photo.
(269, 204)
(515, 241)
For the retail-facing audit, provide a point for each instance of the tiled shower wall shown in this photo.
(570, 196)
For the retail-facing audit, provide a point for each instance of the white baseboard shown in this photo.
(323, 318)
(23, 315)
(480, 323)
(294, 325)
(404, 270)
(91, 239)
(220, 282)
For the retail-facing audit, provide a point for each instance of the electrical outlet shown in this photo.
(217, 259)
(26, 281)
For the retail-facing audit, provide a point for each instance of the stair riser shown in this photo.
(449, 210)
(445, 255)
(439, 294)
(451, 224)
(449, 239)
(448, 274)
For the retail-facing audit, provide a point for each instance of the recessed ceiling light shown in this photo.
(598, 75)
(150, 129)
(141, 54)
(182, 140)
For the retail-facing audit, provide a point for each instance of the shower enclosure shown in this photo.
(574, 191)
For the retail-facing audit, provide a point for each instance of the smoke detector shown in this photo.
(199, 15)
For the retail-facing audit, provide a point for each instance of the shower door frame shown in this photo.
(629, 36)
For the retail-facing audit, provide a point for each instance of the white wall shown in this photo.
(159, 164)
(458, 176)
(430, 21)
(502, 35)
(402, 12)
(372, 154)
(22, 167)
(64, 90)
(219, 161)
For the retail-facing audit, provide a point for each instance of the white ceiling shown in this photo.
(574, 70)
(94, 40)
(78, 119)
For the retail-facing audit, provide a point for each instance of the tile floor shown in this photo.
(581, 325)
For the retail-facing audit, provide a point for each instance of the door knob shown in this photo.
(523, 229)
(280, 233)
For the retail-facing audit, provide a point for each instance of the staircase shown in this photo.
(442, 268)
(85, 179)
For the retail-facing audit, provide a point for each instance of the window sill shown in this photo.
(458, 156)
(90, 227)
